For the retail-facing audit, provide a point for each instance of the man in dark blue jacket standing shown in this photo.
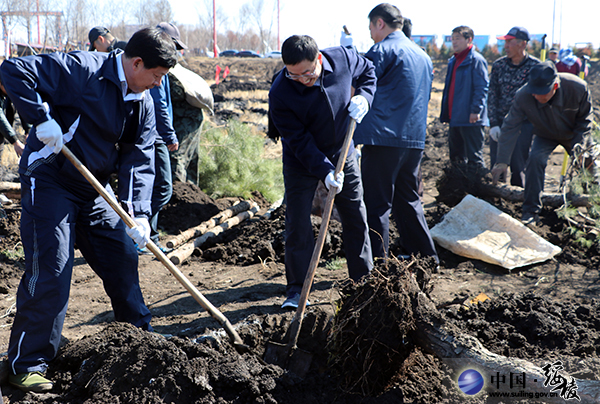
(98, 105)
(464, 102)
(393, 135)
(311, 105)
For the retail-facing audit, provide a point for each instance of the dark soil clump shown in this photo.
(259, 240)
(535, 328)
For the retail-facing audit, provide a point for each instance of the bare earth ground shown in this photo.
(540, 313)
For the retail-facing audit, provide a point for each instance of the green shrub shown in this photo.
(231, 163)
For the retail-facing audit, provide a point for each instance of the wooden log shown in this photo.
(203, 227)
(10, 186)
(517, 194)
(181, 254)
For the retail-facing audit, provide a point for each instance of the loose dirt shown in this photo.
(366, 353)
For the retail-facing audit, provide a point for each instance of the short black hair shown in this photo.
(464, 31)
(407, 27)
(299, 48)
(154, 47)
(389, 14)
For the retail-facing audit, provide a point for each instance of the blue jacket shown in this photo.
(163, 110)
(398, 117)
(313, 120)
(83, 93)
(471, 86)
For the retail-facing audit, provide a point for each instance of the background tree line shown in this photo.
(252, 29)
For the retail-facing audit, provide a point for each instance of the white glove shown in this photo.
(495, 133)
(359, 106)
(50, 134)
(346, 40)
(141, 232)
(337, 182)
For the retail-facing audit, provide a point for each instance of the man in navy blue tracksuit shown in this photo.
(393, 134)
(311, 105)
(97, 104)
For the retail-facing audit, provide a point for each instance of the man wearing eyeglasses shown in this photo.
(311, 105)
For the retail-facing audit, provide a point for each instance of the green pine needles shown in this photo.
(232, 162)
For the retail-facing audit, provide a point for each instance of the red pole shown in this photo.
(215, 28)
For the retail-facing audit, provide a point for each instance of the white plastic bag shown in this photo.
(197, 91)
(476, 229)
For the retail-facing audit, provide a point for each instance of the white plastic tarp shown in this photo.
(476, 229)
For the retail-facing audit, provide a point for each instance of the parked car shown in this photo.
(273, 54)
(229, 52)
(249, 54)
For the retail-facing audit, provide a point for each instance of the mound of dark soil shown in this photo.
(122, 364)
(261, 240)
(529, 326)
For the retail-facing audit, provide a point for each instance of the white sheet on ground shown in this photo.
(476, 229)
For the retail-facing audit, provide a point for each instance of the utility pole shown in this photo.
(215, 28)
(553, 22)
(278, 27)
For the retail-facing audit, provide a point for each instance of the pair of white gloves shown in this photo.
(50, 133)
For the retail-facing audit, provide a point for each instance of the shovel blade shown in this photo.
(295, 360)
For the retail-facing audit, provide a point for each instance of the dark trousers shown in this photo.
(536, 170)
(390, 177)
(163, 186)
(518, 160)
(466, 144)
(300, 188)
(52, 220)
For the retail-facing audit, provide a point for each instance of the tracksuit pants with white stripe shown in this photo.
(56, 215)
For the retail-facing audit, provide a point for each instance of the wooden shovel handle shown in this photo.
(314, 261)
(214, 312)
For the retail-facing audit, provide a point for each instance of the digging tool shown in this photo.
(214, 312)
(563, 170)
(543, 50)
(288, 355)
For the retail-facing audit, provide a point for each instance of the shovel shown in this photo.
(214, 312)
(288, 355)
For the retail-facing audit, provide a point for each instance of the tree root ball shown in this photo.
(371, 335)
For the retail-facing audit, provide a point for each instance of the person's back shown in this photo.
(393, 136)
(404, 76)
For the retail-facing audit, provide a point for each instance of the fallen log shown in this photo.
(184, 252)
(382, 319)
(10, 186)
(203, 227)
(550, 199)
(461, 351)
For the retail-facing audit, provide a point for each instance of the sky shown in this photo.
(568, 24)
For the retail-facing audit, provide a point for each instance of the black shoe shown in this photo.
(530, 219)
